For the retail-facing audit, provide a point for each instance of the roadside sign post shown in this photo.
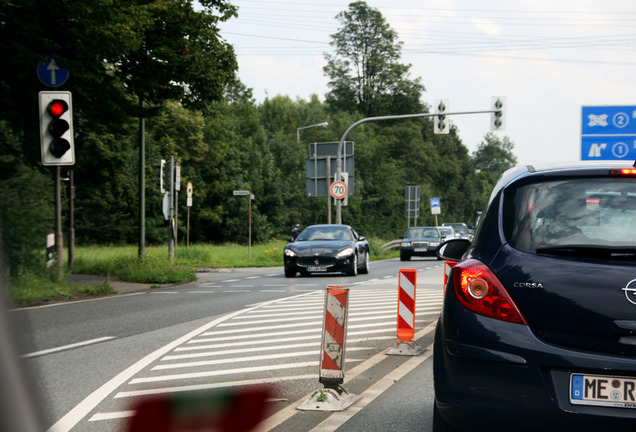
(608, 133)
(249, 211)
(435, 208)
(188, 205)
(412, 197)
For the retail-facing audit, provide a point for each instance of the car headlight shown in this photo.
(345, 252)
(289, 253)
(405, 244)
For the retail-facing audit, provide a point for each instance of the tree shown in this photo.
(364, 72)
(494, 155)
(491, 159)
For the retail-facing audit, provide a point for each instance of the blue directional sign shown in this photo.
(608, 133)
(51, 72)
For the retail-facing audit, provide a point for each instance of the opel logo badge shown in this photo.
(630, 291)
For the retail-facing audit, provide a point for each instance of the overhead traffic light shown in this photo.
(441, 125)
(498, 116)
(56, 128)
(160, 181)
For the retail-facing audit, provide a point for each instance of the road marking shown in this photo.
(236, 291)
(67, 347)
(164, 292)
(269, 380)
(81, 410)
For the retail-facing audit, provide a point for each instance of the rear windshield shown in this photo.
(578, 212)
(422, 232)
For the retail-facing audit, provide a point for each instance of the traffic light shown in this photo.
(498, 117)
(440, 123)
(56, 128)
(160, 181)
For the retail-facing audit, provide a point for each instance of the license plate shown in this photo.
(603, 390)
(420, 249)
(317, 269)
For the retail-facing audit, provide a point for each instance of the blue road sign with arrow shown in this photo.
(608, 133)
(51, 72)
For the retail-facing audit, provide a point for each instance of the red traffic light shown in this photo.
(57, 107)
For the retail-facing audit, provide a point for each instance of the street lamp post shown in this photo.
(323, 124)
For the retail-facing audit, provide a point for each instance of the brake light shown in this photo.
(479, 291)
(623, 172)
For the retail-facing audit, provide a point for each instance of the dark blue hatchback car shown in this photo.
(538, 328)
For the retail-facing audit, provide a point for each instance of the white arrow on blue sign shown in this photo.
(51, 72)
(608, 133)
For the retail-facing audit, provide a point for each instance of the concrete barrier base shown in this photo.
(328, 400)
(409, 348)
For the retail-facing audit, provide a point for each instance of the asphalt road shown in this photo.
(92, 360)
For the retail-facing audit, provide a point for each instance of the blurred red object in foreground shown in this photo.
(227, 410)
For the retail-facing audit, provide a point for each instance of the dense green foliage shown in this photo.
(168, 55)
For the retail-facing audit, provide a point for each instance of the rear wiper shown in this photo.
(588, 250)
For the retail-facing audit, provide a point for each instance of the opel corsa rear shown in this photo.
(538, 328)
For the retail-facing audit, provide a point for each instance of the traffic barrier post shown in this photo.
(332, 397)
(406, 315)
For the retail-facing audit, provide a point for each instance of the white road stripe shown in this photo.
(67, 347)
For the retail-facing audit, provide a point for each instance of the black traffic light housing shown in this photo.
(56, 128)
(441, 125)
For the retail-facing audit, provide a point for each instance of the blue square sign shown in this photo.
(608, 133)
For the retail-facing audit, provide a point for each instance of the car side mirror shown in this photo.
(362, 238)
(453, 249)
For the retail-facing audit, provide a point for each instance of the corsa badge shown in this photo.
(630, 291)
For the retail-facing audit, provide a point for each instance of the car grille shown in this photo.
(420, 244)
(316, 261)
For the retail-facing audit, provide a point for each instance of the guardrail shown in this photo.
(392, 244)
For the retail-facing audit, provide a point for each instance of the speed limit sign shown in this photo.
(338, 189)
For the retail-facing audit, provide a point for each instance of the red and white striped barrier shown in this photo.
(334, 335)
(406, 305)
(332, 397)
(406, 315)
(448, 265)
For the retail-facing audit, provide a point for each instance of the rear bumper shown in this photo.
(492, 375)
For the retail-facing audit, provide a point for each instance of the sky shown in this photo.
(548, 58)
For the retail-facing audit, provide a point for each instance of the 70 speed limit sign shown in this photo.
(338, 189)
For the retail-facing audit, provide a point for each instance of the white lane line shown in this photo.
(272, 291)
(81, 410)
(67, 347)
(112, 415)
(237, 291)
(203, 292)
(177, 389)
(164, 292)
(208, 374)
(313, 352)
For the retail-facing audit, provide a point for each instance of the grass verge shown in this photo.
(122, 262)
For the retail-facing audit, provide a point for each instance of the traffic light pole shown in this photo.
(59, 237)
(373, 119)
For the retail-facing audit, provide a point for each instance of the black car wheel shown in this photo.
(365, 264)
(353, 271)
(405, 257)
(290, 273)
